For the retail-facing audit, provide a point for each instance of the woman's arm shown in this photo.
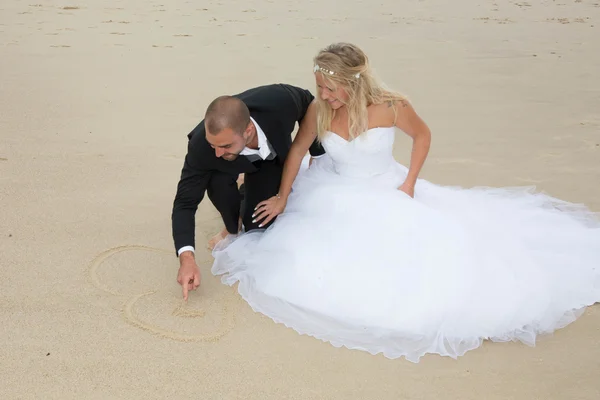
(410, 123)
(307, 132)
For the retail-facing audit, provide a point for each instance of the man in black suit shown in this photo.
(247, 133)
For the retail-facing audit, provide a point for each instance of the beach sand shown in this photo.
(97, 100)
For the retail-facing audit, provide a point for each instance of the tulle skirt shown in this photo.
(358, 263)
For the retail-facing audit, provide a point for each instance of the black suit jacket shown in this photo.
(276, 108)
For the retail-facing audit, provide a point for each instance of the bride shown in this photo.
(366, 255)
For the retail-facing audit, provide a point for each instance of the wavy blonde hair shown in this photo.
(346, 65)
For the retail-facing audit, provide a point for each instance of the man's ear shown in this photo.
(248, 130)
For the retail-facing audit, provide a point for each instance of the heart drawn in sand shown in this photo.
(144, 277)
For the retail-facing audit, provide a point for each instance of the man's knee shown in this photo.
(251, 223)
(225, 196)
(222, 188)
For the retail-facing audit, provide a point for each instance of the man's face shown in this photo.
(227, 143)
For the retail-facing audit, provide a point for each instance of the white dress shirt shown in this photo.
(264, 151)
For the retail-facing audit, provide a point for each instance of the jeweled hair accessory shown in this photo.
(319, 68)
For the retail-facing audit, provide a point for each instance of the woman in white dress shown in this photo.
(366, 255)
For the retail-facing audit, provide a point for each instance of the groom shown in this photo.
(246, 133)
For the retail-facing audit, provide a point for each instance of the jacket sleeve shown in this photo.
(302, 99)
(316, 149)
(191, 188)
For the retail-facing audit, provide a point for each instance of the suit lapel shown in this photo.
(273, 131)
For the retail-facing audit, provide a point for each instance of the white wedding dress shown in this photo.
(358, 263)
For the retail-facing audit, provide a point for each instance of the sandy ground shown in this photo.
(96, 100)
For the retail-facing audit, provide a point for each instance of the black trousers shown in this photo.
(231, 202)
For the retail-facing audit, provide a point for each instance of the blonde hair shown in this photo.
(346, 65)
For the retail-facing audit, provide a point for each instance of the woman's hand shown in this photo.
(408, 188)
(266, 210)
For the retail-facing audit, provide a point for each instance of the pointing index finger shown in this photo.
(185, 289)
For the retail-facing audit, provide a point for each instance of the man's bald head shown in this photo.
(226, 112)
(228, 127)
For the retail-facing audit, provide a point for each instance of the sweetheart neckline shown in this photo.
(364, 133)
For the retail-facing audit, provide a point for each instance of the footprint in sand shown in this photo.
(497, 20)
(139, 273)
(590, 122)
(591, 144)
(412, 20)
(565, 21)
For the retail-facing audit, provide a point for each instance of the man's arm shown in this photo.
(190, 192)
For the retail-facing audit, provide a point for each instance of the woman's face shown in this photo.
(336, 97)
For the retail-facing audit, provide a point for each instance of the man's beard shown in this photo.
(230, 157)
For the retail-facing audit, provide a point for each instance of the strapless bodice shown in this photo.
(367, 155)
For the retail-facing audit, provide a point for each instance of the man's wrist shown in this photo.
(186, 251)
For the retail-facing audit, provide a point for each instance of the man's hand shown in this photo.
(266, 210)
(408, 188)
(189, 273)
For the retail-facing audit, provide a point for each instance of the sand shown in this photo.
(97, 98)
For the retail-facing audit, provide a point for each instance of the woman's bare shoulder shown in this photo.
(385, 114)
